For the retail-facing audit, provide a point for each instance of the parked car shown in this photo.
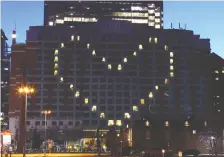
(194, 152)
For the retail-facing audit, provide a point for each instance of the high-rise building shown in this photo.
(101, 74)
(5, 72)
(73, 13)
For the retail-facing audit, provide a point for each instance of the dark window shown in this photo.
(54, 123)
(37, 123)
(61, 123)
(70, 123)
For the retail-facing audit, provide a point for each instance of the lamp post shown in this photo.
(25, 91)
(45, 112)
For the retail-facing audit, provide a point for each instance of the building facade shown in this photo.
(5, 73)
(72, 13)
(110, 73)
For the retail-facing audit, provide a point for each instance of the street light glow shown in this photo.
(26, 90)
(46, 112)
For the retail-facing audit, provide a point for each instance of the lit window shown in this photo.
(151, 17)
(171, 67)
(55, 72)
(118, 123)
(150, 95)
(119, 67)
(55, 59)
(156, 87)
(165, 47)
(151, 24)
(110, 122)
(127, 115)
(142, 101)
(61, 79)
(86, 100)
(125, 60)
(157, 20)
(157, 26)
(103, 59)
(51, 23)
(88, 45)
(93, 108)
(218, 110)
(147, 123)
(55, 52)
(167, 123)
(71, 86)
(205, 123)
(72, 38)
(156, 40)
(77, 94)
(157, 14)
(134, 54)
(140, 47)
(6, 68)
(94, 53)
(216, 78)
(78, 38)
(217, 96)
(166, 81)
(216, 71)
(109, 66)
(150, 40)
(102, 115)
(171, 54)
(135, 108)
(151, 11)
(222, 71)
(62, 45)
(171, 61)
(171, 74)
(186, 123)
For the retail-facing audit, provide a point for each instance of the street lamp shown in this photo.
(163, 152)
(45, 112)
(25, 91)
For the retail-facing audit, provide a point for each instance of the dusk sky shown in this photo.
(204, 18)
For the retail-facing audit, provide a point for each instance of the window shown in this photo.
(72, 38)
(156, 87)
(102, 115)
(51, 23)
(171, 54)
(94, 108)
(186, 124)
(157, 14)
(167, 123)
(110, 122)
(142, 101)
(151, 24)
(166, 81)
(103, 59)
(171, 61)
(151, 17)
(127, 115)
(150, 40)
(118, 123)
(165, 47)
(171, 67)
(217, 78)
(56, 66)
(78, 38)
(134, 54)
(119, 67)
(88, 45)
(157, 26)
(140, 47)
(94, 53)
(125, 60)
(55, 59)
(61, 79)
(157, 20)
(135, 108)
(156, 40)
(150, 95)
(151, 11)
(71, 86)
(55, 72)
(86, 100)
(77, 94)
(62, 45)
(171, 74)
(109, 66)
(56, 52)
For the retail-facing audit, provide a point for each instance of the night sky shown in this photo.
(204, 18)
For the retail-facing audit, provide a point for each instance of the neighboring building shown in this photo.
(102, 74)
(5, 73)
(73, 13)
